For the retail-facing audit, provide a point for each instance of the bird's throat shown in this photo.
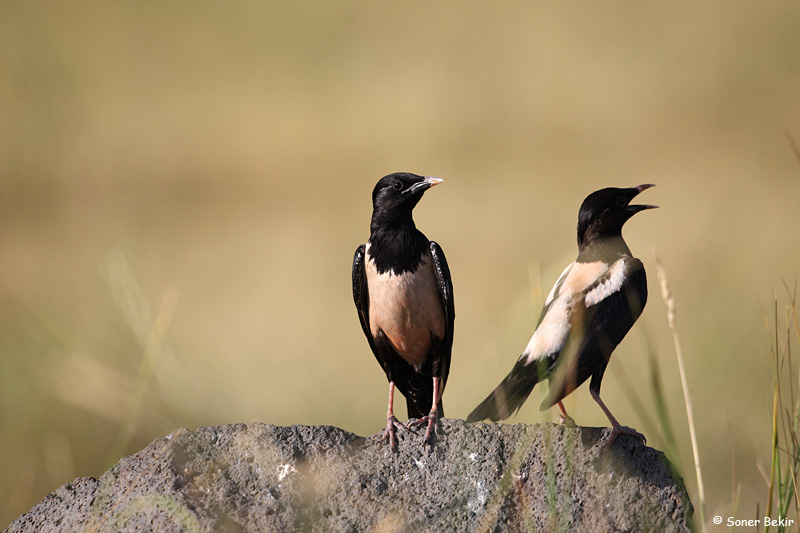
(396, 250)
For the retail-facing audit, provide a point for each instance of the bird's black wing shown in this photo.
(445, 284)
(598, 329)
(361, 296)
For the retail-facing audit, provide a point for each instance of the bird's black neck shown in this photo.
(396, 245)
(606, 248)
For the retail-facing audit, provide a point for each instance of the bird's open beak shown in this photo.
(426, 183)
(633, 209)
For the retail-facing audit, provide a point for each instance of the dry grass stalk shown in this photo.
(666, 294)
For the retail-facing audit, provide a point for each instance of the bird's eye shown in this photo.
(621, 201)
(398, 185)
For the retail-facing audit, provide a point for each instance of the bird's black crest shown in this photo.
(600, 220)
(393, 199)
(396, 245)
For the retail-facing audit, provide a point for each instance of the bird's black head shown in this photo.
(395, 196)
(604, 212)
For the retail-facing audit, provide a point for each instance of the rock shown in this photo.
(477, 477)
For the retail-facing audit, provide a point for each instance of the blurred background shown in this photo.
(183, 185)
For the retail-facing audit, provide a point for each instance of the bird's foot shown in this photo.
(390, 434)
(566, 420)
(623, 430)
(431, 420)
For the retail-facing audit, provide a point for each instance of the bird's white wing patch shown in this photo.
(558, 283)
(552, 332)
(582, 276)
(551, 335)
(612, 284)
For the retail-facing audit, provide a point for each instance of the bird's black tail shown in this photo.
(509, 396)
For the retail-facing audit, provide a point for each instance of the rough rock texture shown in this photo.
(478, 477)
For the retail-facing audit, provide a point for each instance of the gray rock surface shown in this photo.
(478, 477)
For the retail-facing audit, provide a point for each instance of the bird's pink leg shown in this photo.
(391, 421)
(617, 429)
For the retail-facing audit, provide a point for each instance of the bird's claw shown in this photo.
(566, 420)
(389, 432)
(431, 420)
(623, 430)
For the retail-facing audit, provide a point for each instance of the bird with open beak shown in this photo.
(591, 308)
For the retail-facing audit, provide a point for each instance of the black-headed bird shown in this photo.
(404, 297)
(594, 303)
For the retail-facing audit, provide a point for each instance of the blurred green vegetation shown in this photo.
(206, 168)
